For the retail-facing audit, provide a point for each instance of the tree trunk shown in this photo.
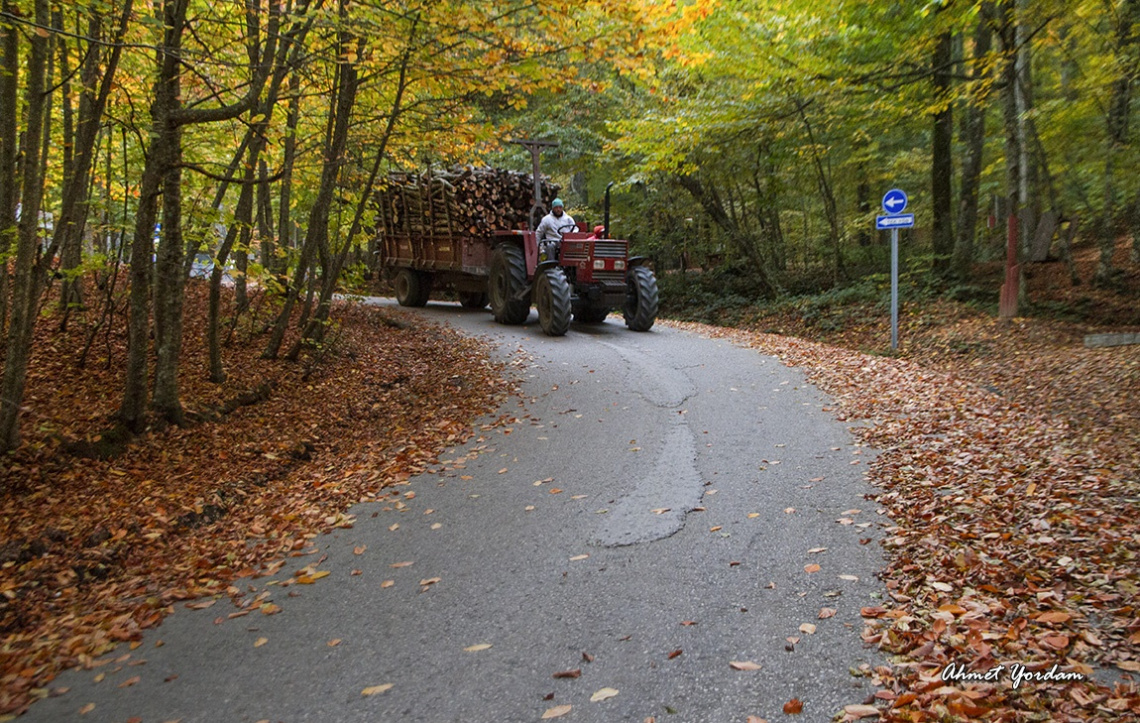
(830, 206)
(1009, 37)
(10, 62)
(284, 224)
(69, 229)
(162, 154)
(318, 227)
(241, 216)
(974, 140)
(315, 329)
(25, 289)
(1117, 120)
(942, 150)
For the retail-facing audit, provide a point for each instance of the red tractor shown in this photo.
(587, 275)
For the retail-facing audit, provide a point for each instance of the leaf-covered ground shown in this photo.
(93, 550)
(1009, 465)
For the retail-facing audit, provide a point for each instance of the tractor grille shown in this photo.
(573, 253)
(609, 249)
(610, 278)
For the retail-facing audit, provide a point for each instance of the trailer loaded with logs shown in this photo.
(470, 230)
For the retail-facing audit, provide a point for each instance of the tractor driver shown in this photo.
(551, 228)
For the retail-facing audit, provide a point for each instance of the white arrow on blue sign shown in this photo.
(902, 220)
(894, 201)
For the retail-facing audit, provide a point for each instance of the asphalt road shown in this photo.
(691, 483)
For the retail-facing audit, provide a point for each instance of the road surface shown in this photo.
(656, 518)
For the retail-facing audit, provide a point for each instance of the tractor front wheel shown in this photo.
(412, 287)
(640, 309)
(552, 297)
(506, 279)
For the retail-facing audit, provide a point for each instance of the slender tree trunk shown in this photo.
(77, 187)
(213, 335)
(942, 150)
(284, 224)
(10, 62)
(161, 156)
(1117, 122)
(25, 289)
(71, 254)
(1010, 36)
(317, 232)
(315, 329)
(974, 140)
(830, 206)
(170, 280)
(265, 215)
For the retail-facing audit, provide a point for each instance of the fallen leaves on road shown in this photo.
(377, 689)
(744, 665)
(603, 694)
(477, 648)
(856, 712)
(575, 673)
(794, 707)
(557, 711)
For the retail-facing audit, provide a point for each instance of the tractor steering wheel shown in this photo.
(566, 227)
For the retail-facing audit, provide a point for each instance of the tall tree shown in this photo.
(974, 141)
(26, 286)
(1117, 117)
(942, 149)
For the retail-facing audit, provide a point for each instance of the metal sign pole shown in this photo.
(894, 289)
(894, 203)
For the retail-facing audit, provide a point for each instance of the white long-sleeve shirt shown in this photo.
(548, 227)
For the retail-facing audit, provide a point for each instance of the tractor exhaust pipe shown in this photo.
(606, 219)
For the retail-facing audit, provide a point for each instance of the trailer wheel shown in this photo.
(473, 299)
(591, 314)
(640, 309)
(552, 297)
(508, 277)
(412, 287)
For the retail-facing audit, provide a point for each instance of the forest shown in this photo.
(750, 140)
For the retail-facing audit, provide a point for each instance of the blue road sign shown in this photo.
(894, 201)
(902, 220)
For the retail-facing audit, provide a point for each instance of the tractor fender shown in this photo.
(636, 261)
(544, 265)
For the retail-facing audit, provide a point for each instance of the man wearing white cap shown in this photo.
(551, 228)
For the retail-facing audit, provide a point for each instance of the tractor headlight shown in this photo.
(599, 264)
(619, 265)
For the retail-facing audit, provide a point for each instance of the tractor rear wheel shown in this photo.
(591, 314)
(473, 299)
(640, 309)
(412, 287)
(507, 278)
(552, 297)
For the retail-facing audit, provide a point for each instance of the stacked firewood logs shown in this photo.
(460, 201)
